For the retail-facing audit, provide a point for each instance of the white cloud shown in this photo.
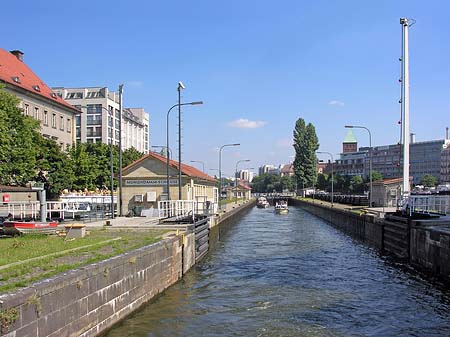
(243, 123)
(336, 103)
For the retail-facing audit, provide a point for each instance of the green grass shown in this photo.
(95, 247)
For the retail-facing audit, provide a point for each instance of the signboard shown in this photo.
(37, 186)
(150, 182)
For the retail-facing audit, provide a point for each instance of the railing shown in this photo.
(178, 209)
(438, 204)
(22, 210)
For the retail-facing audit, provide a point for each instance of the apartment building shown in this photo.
(56, 116)
(99, 121)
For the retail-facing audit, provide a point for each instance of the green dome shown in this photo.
(349, 137)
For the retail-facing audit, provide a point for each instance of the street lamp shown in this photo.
(235, 178)
(220, 169)
(370, 157)
(167, 144)
(163, 147)
(332, 179)
(198, 161)
(110, 161)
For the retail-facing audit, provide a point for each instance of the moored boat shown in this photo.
(262, 203)
(33, 227)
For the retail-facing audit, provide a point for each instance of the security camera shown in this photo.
(181, 85)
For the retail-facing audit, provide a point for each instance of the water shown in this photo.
(293, 275)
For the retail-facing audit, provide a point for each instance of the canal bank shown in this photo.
(423, 243)
(90, 300)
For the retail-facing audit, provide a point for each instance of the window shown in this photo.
(45, 117)
(54, 120)
(36, 113)
(78, 120)
(69, 125)
(94, 108)
(72, 95)
(26, 111)
(61, 123)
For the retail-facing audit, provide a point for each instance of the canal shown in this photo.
(293, 275)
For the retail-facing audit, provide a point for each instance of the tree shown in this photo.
(18, 137)
(356, 184)
(428, 180)
(131, 155)
(322, 181)
(306, 144)
(376, 176)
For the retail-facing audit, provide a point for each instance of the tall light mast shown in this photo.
(406, 23)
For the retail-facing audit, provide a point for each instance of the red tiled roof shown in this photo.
(390, 181)
(11, 67)
(185, 169)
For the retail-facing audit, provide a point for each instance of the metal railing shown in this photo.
(429, 204)
(178, 209)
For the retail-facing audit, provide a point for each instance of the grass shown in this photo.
(95, 247)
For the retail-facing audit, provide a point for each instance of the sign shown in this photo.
(150, 182)
(5, 198)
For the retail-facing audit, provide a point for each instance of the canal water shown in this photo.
(293, 275)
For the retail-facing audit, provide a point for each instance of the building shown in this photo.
(56, 116)
(387, 192)
(445, 163)
(426, 158)
(268, 169)
(287, 170)
(100, 120)
(245, 175)
(241, 191)
(350, 143)
(144, 183)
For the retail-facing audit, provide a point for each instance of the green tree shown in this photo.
(356, 184)
(306, 144)
(322, 181)
(376, 176)
(428, 180)
(18, 137)
(131, 155)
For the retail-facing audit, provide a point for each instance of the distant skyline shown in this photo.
(257, 65)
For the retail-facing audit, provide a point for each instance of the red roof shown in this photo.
(185, 169)
(16, 73)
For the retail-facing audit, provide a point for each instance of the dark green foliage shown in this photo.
(376, 176)
(306, 144)
(323, 181)
(18, 137)
(270, 182)
(428, 180)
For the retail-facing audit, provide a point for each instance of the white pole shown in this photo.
(405, 105)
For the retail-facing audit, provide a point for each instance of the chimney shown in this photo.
(18, 54)
(412, 138)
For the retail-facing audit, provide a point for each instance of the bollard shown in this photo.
(108, 223)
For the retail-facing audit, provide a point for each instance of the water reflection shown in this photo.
(292, 275)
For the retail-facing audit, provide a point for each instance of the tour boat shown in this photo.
(33, 227)
(262, 203)
(281, 208)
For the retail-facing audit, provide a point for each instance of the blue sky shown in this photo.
(257, 65)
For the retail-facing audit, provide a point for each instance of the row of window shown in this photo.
(64, 124)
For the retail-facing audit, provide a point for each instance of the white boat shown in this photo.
(262, 203)
(281, 207)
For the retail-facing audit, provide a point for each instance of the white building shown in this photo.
(99, 121)
(245, 175)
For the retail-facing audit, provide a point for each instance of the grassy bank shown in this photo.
(26, 259)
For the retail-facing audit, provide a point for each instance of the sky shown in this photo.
(257, 65)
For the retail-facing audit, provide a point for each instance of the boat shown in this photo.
(11, 227)
(281, 207)
(262, 203)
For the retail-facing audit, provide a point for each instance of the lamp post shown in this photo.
(120, 150)
(235, 178)
(110, 162)
(167, 142)
(220, 169)
(370, 157)
(198, 161)
(169, 150)
(332, 179)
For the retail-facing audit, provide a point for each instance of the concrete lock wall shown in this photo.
(430, 250)
(362, 227)
(88, 301)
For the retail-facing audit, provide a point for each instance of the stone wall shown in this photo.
(88, 301)
(361, 227)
